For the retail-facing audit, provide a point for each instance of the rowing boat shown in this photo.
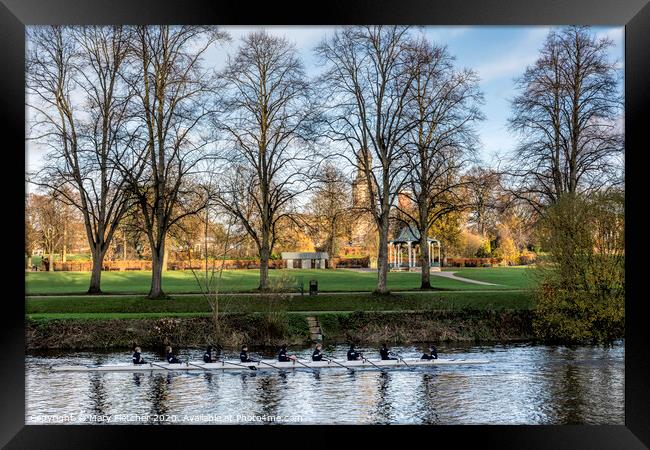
(267, 365)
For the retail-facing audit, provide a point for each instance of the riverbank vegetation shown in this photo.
(581, 296)
(397, 327)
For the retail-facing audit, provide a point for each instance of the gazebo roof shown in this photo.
(408, 234)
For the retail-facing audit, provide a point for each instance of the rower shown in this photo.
(282, 355)
(353, 355)
(243, 355)
(318, 354)
(171, 359)
(208, 357)
(137, 357)
(385, 353)
(433, 354)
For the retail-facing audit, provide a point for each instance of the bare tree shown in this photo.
(31, 234)
(568, 114)
(171, 88)
(81, 112)
(484, 193)
(367, 84)
(268, 124)
(445, 105)
(331, 209)
(217, 241)
(48, 223)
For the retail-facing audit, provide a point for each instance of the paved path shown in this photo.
(452, 276)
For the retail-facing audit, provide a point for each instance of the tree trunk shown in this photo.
(96, 274)
(50, 265)
(382, 259)
(157, 257)
(29, 261)
(65, 237)
(165, 258)
(332, 246)
(264, 268)
(424, 260)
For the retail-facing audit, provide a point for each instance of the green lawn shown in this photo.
(521, 277)
(137, 282)
(137, 306)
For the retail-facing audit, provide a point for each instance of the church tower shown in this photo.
(360, 197)
(363, 230)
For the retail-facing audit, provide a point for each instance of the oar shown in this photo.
(271, 365)
(196, 365)
(400, 357)
(366, 359)
(229, 362)
(240, 365)
(157, 365)
(305, 365)
(336, 362)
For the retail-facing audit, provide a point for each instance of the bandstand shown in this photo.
(408, 241)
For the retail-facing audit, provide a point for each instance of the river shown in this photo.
(522, 384)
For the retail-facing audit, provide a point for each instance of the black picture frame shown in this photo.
(633, 14)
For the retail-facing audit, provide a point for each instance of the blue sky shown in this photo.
(497, 53)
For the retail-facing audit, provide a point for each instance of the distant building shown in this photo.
(363, 230)
(305, 260)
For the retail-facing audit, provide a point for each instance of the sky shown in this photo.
(498, 54)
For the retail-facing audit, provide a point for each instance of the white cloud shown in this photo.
(445, 34)
(514, 60)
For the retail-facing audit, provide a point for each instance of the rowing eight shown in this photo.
(268, 365)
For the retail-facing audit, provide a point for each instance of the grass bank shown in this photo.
(108, 307)
(397, 327)
(138, 282)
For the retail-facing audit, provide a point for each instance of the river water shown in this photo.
(522, 384)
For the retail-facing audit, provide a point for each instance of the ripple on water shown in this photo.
(522, 384)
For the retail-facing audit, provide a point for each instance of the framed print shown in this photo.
(420, 214)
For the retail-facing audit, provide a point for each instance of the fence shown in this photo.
(350, 263)
(121, 265)
(471, 262)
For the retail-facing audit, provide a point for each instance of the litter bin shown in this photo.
(313, 287)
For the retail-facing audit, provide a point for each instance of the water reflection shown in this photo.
(268, 393)
(523, 384)
(384, 405)
(207, 376)
(427, 395)
(158, 393)
(98, 395)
